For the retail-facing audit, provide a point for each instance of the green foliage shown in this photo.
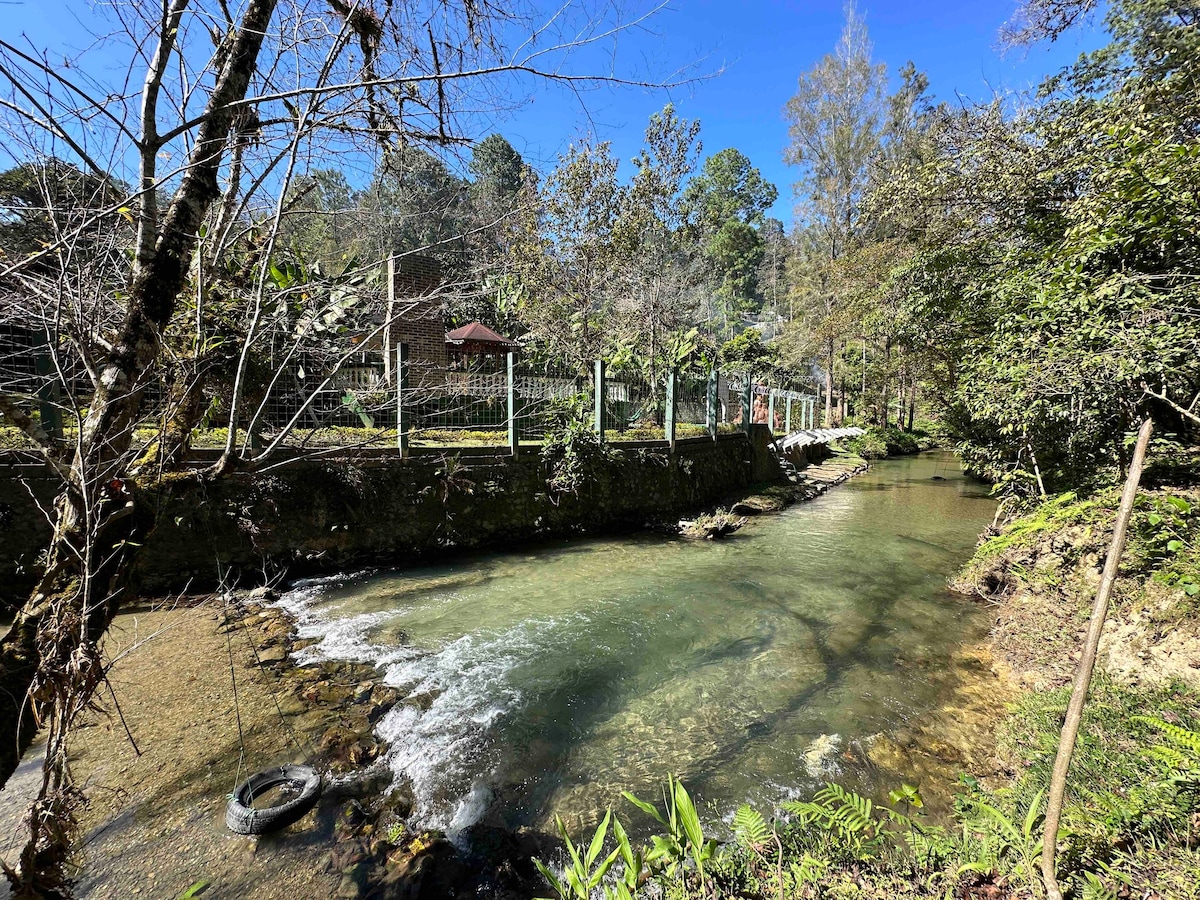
(1004, 840)
(1078, 304)
(499, 170)
(726, 203)
(585, 871)
(908, 794)
(351, 402)
(868, 446)
(685, 836)
(1121, 795)
(634, 866)
(747, 353)
(749, 828)
(571, 447)
(878, 443)
(195, 890)
(1051, 516)
(1125, 811)
(853, 825)
(1168, 528)
(43, 200)
(1181, 753)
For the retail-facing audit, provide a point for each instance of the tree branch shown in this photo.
(34, 431)
(1188, 414)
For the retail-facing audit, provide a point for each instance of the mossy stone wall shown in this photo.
(327, 514)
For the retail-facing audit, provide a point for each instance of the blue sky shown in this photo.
(762, 46)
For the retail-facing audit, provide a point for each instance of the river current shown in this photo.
(549, 679)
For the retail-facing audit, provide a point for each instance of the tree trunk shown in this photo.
(73, 604)
(883, 384)
(912, 405)
(1087, 664)
(828, 422)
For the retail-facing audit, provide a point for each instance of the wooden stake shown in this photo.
(1087, 663)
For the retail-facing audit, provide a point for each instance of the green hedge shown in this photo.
(878, 443)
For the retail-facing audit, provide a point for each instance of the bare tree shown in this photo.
(168, 277)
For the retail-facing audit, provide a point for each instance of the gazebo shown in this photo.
(476, 340)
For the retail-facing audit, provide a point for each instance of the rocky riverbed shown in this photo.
(205, 695)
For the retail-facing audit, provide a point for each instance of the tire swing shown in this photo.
(241, 817)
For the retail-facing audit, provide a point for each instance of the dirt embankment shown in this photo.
(1041, 571)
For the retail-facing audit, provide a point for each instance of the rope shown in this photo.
(237, 708)
(304, 746)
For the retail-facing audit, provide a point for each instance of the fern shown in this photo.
(1095, 889)
(749, 828)
(1188, 740)
(846, 818)
(930, 846)
(1184, 756)
(808, 871)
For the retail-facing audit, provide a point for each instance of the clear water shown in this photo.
(549, 680)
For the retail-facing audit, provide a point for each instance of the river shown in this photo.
(549, 679)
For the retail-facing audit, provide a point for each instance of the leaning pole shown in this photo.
(1087, 663)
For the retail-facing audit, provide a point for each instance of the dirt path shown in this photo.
(155, 825)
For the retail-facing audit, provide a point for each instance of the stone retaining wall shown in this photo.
(329, 514)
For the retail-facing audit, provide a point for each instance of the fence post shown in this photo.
(747, 403)
(514, 432)
(812, 413)
(787, 415)
(714, 382)
(402, 420)
(672, 397)
(49, 410)
(601, 386)
(771, 409)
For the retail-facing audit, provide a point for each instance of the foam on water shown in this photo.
(442, 742)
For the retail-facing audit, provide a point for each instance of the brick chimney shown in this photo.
(415, 317)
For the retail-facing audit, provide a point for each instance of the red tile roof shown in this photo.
(478, 333)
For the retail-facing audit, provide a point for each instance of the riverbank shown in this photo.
(881, 443)
(336, 511)
(1132, 814)
(208, 692)
(803, 484)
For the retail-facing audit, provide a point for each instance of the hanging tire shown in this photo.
(241, 817)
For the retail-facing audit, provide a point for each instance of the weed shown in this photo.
(583, 875)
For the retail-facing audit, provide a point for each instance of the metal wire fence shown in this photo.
(497, 400)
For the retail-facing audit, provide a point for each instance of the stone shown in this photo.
(272, 655)
(354, 881)
(378, 710)
(363, 691)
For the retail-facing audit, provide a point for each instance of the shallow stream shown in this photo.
(549, 680)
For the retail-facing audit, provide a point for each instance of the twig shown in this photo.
(121, 715)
